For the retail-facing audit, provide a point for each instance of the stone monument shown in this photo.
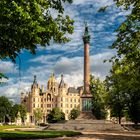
(86, 96)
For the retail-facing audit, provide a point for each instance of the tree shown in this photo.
(23, 112)
(128, 38)
(26, 23)
(38, 115)
(5, 108)
(55, 115)
(124, 90)
(14, 112)
(99, 92)
(74, 114)
(128, 48)
(125, 75)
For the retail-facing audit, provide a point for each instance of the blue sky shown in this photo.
(68, 58)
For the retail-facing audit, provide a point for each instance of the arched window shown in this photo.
(49, 97)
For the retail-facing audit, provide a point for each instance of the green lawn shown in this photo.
(3, 127)
(36, 134)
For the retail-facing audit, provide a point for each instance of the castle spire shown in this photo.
(62, 84)
(35, 81)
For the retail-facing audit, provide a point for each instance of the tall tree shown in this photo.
(124, 90)
(14, 112)
(5, 108)
(26, 23)
(38, 115)
(99, 92)
(23, 112)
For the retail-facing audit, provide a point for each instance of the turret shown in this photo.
(35, 85)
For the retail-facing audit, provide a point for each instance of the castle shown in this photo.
(59, 94)
(56, 95)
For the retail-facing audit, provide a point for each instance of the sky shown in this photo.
(67, 59)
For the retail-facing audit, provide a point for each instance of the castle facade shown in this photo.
(56, 95)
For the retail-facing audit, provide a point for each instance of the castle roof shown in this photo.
(62, 83)
(73, 90)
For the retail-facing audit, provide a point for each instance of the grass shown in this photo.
(3, 127)
(36, 134)
(4, 134)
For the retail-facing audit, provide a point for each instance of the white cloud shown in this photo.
(7, 67)
(73, 67)
(99, 2)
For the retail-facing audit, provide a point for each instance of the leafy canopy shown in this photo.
(26, 23)
(98, 90)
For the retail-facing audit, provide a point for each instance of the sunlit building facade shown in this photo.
(55, 95)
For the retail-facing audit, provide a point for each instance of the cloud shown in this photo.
(74, 66)
(7, 67)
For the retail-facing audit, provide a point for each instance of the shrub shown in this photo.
(74, 114)
(55, 116)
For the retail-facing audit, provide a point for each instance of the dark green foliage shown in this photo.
(55, 116)
(124, 95)
(124, 79)
(23, 112)
(98, 91)
(5, 108)
(10, 112)
(14, 112)
(74, 114)
(26, 23)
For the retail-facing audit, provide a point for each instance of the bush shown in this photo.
(55, 116)
(74, 114)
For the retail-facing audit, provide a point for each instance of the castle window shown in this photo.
(33, 99)
(54, 89)
(38, 105)
(45, 99)
(48, 105)
(71, 100)
(67, 111)
(61, 105)
(67, 105)
(49, 97)
(61, 98)
(41, 105)
(41, 99)
(33, 105)
(71, 105)
(74, 100)
(48, 110)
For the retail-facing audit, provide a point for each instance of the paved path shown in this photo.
(90, 135)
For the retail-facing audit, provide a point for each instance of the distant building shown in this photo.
(56, 95)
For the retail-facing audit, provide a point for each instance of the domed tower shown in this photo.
(52, 85)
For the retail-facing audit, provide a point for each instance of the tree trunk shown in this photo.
(119, 119)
